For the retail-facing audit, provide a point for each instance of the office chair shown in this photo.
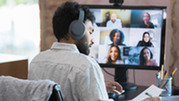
(14, 89)
(56, 94)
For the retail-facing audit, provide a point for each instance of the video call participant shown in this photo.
(146, 21)
(146, 57)
(117, 37)
(114, 22)
(114, 55)
(145, 40)
(67, 63)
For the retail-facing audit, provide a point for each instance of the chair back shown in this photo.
(15, 89)
(56, 94)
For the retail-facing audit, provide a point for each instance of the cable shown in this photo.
(118, 78)
(134, 76)
(108, 72)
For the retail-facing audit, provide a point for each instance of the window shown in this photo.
(20, 27)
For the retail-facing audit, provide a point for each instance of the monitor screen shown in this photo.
(128, 37)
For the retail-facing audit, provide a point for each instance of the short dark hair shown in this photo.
(65, 14)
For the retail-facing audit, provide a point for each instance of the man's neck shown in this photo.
(69, 40)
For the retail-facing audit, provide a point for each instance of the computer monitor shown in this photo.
(128, 37)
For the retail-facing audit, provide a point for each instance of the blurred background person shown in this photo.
(146, 40)
(114, 22)
(146, 21)
(117, 37)
(114, 55)
(146, 57)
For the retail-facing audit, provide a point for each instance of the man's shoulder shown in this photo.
(71, 58)
(84, 62)
(118, 20)
(41, 55)
(84, 58)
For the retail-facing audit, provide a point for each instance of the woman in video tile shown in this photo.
(146, 57)
(114, 55)
(117, 37)
(146, 21)
(145, 40)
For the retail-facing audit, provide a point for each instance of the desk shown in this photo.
(129, 95)
(13, 65)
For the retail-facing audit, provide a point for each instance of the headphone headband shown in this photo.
(81, 15)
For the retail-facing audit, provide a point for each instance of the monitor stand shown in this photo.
(121, 76)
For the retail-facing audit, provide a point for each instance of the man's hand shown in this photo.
(111, 86)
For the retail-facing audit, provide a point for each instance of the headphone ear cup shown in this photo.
(77, 29)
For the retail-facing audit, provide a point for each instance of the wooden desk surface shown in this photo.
(4, 58)
(12, 65)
